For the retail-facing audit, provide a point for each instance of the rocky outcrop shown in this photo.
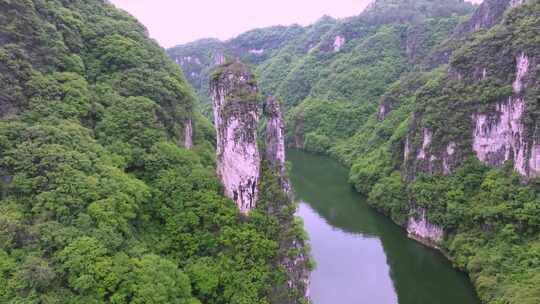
(188, 134)
(426, 143)
(339, 42)
(448, 161)
(219, 58)
(298, 273)
(236, 116)
(256, 51)
(489, 13)
(188, 60)
(275, 140)
(384, 108)
(500, 135)
(498, 131)
(420, 229)
(421, 157)
(522, 67)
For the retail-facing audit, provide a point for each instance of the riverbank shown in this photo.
(361, 255)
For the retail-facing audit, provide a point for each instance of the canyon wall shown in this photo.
(497, 129)
(501, 135)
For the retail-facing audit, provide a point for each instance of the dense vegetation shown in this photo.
(99, 201)
(490, 215)
(407, 66)
(305, 68)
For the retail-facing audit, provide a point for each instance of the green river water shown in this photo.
(362, 257)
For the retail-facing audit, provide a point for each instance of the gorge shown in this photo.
(388, 157)
(433, 105)
(361, 256)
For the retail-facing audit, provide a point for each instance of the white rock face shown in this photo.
(522, 67)
(188, 135)
(257, 51)
(339, 41)
(381, 113)
(219, 58)
(189, 59)
(450, 150)
(407, 149)
(501, 138)
(421, 229)
(236, 125)
(534, 160)
(496, 140)
(426, 143)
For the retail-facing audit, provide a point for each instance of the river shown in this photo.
(362, 257)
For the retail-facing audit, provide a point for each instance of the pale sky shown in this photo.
(173, 22)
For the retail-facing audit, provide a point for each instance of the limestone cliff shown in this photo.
(489, 13)
(420, 229)
(275, 140)
(236, 116)
(495, 118)
(500, 135)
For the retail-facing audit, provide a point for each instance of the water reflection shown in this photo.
(362, 257)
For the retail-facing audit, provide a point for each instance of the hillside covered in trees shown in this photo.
(101, 201)
(434, 107)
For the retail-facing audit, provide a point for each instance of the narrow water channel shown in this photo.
(362, 257)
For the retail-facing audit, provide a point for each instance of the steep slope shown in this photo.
(425, 158)
(100, 199)
(438, 121)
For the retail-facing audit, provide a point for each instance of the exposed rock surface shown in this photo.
(420, 229)
(339, 41)
(236, 116)
(299, 275)
(423, 157)
(498, 138)
(489, 13)
(384, 108)
(499, 130)
(188, 134)
(275, 140)
(219, 58)
(448, 160)
(501, 135)
(256, 51)
(426, 143)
